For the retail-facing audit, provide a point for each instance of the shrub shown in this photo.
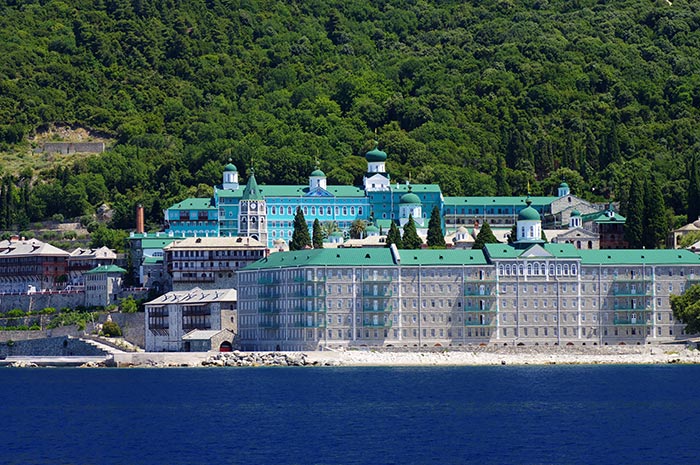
(15, 313)
(111, 329)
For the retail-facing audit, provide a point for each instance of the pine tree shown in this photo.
(484, 237)
(435, 237)
(394, 236)
(634, 227)
(410, 237)
(300, 235)
(513, 236)
(655, 220)
(317, 235)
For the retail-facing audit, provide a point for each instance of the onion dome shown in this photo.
(372, 229)
(563, 185)
(318, 173)
(375, 154)
(528, 213)
(411, 199)
(230, 167)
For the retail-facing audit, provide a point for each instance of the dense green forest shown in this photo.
(481, 96)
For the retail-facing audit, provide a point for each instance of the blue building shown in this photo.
(266, 212)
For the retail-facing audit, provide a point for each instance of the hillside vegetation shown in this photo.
(480, 96)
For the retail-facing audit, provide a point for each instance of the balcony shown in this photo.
(377, 279)
(310, 324)
(630, 292)
(310, 295)
(314, 309)
(478, 323)
(625, 308)
(266, 295)
(377, 324)
(480, 310)
(379, 295)
(386, 309)
(479, 281)
(637, 278)
(631, 322)
(478, 293)
(304, 279)
(268, 280)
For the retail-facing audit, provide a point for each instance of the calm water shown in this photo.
(518, 415)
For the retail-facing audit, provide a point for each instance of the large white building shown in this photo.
(527, 293)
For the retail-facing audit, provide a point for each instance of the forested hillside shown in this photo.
(480, 96)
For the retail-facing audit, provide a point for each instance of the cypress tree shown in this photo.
(317, 235)
(484, 237)
(655, 221)
(394, 236)
(435, 237)
(693, 190)
(410, 237)
(634, 227)
(300, 235)
(502, 186)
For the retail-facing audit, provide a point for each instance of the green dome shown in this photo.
(375, 154)
(318, 173)
(528, 213)
(563, 185)
(371, 228)
(575, 213)
(230, 167)
(410, 199)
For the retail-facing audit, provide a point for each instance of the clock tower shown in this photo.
(252, 212)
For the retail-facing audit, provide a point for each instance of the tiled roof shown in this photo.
(30, 248)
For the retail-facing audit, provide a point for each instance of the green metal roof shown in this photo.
(415, 188)
(607, 216)
(410, 199)
(153, 242)
(194, 204)
(496, 201)
(367, 257)
(152, 260)
(251, 191)
(318, 173)
(639, 257)
(375, 154)
(506, 251)
(529, 213)
(106, 269)
(230, 167)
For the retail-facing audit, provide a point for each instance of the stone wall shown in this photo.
(41, 300)
(49, 347)
(73, 147)
(133, 326)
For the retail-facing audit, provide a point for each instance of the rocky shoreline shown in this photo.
(465, 356)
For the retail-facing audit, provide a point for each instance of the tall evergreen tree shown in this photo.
(394, 236)
(693, 189)
(410, 238)
(317, 235)
(300, 235)
(634, 227)
(435, 237)
(502, 186)
(484, 237)
(655, 220)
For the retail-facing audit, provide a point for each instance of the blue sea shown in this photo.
(435, 415)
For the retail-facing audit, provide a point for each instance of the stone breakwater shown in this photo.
(252, 359)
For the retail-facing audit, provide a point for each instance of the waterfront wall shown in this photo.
(133, 326)
(62, 346)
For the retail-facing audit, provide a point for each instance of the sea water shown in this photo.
(432, 415)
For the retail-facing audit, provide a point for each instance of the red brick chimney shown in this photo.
(139, 219)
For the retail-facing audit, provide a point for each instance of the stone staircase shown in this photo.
(107, 349)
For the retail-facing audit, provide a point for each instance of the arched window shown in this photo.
(313, 210)
(329, 211)
(507, 270)
(306, 210)
(551, 270)
(359, 211)
(500, 270)
(345, 211)
(537, 268)
(558, 269)
(289, 210)
(352, 211)
(566, 269)
(520, 270)
(522, 231)
(274, 211)
(573, 270)
(529, 269)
